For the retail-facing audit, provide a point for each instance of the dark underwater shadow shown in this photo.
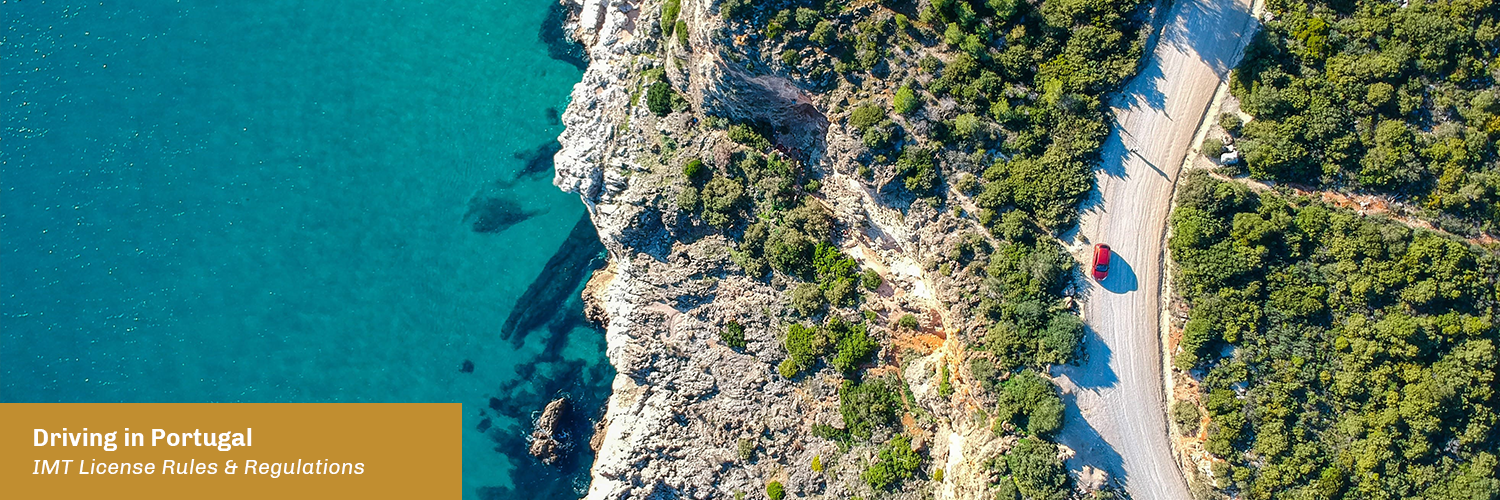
(489, 214)
(559, 45)
(538, 160)
(580, 254)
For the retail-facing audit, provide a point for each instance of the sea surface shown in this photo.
(297, 201)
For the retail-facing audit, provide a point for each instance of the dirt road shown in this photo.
(1116, 408)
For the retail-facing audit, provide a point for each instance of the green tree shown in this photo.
(733, 335)
(808, 299)
(896, 462)
(906, 101)
(775, 491)
(868, 406)
(1037, 472)
(659, 98)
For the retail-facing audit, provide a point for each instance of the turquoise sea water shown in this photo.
(293, 201)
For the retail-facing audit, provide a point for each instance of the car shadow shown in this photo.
(1121, 277)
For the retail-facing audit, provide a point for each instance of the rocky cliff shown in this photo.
(690, 416)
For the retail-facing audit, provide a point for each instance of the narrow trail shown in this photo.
(1116, 415)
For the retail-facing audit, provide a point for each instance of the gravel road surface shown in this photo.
(1116, 407)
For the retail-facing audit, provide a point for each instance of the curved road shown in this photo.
(1116, 407)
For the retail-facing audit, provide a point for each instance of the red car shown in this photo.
(1101, 261)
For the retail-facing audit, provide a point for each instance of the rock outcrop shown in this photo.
(686, 407)
(547, 440)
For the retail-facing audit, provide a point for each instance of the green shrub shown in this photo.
(906, 101)
(1030, 401)
(778, 24)
(953, 35)
(983, 370)
(823, 34)
(808, 299)
(746, 449)
(918, 171)
(852, 345)
(902, 22)
(790, 57)
(694, 170)
(737, 9)
(682, 33)
(788, 368)
(945, 384)
(1231, 123)
(687, 199)
(866, 116)
(775, 491)
(1036, 470)
(790, 252)
(733, 335)
(836, 272)
(659, 98)
(751, 252)
(669, 11)
(803, 346)
(937, 475)
(1185, 414)
(968, 127)
(868, 406)
(747, 136)
(1212, 148)
(908, 322)
(722, 200)
(895, 463)
(872, 279)
(966, 183)
(880, 136)
(814, 221)
(1005, 489)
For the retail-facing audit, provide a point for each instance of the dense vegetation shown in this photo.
(1393, 97)
(846, 346)
(896, 462)
(1364, 361)
(1030, 401)
(1025, 80)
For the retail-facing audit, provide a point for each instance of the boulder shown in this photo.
(546, 439)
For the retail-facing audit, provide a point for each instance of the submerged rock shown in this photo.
(547, 442)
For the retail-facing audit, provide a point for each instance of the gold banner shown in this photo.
(281, 451)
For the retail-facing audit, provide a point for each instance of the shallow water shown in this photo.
(289, 201)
